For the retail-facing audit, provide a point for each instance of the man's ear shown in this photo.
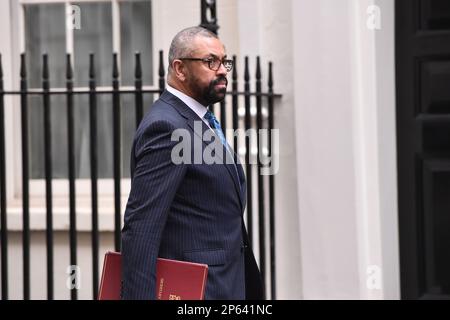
(179, 69)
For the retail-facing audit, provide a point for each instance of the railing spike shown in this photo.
(23, 67)
(69, 72)
(234, 75)
(161, 71)
(138, 68)
(91, 66)
(115, 66)
(258, 69)
(161, 64)
(270, 81)
(246, 71)
(1, 67)
(45, 66)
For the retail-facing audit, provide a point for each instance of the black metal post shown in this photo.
(248, 153)
(235, 106)
(117, 149)
(138, 86)
(223, 115)
(71, 160)
(48, 174)
(3, 214)
(261, 209)
(25, 179)
(271, 188)
(94, 173)
(162, 80)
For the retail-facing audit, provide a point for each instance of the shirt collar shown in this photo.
(196, 106)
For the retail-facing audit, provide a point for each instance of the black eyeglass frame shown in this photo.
(210, 61)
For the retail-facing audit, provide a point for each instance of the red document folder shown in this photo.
(175, 280)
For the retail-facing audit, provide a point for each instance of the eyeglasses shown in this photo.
(214, 63)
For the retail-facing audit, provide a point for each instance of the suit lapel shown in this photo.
(242, 181)
(191, 117)
(230, 167)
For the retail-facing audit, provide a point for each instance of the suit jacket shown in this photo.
(188, 211)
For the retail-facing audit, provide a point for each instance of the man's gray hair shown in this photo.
(181, 46)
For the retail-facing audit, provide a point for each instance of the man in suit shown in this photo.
(188, 210)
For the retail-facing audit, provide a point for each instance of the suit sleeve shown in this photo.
(155, 181)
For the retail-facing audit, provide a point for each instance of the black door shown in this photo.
(423, 139)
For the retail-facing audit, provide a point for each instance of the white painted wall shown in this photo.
(345, 114)
(387, 155)
(323, 113)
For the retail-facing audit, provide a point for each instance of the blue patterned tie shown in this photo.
(215, 125)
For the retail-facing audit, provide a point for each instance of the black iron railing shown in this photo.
(263, 182)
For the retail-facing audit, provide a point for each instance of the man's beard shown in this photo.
(210, 95)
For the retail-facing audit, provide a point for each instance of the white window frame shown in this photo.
(13, 132)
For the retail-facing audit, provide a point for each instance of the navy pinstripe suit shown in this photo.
(190, 212)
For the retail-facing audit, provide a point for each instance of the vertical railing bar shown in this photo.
(25, 179)
(261, 211)
(271, 189)
(94, 174)
(223, 115)
(161, 72)
(248, 153)
(212, 108)
(3, 206)
(117, 150)
(138, 87)
(71, 160)
(48, 174)
(235, 106)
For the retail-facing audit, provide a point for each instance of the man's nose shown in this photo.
(222, 70)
